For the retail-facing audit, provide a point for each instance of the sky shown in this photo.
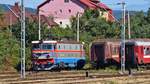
(130, 4)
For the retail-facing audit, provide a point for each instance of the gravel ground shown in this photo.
(74, 78)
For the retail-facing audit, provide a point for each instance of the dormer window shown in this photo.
(66, 1)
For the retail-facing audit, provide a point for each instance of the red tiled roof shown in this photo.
(10, 18)
(89, 3)
(47, 1)
(101, 5)
(95, 4)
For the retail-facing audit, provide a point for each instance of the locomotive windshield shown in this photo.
(46, 46)
(36, 46)
(42, 46)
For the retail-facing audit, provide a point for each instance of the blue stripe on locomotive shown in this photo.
(70, 61)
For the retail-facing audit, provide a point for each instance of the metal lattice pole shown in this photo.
(39, 25)
(78, 24)
(129, 28)
(22, 39)
(123, 39)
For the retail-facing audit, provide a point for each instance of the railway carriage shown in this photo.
(47, 55)
(137, 53)
(105, 53)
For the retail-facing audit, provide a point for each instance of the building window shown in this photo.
(69, 10)
(56, 12)
(60, 22)
(66, 1)
(60, 10)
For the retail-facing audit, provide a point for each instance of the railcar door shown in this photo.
(129, 54)
(100, 54)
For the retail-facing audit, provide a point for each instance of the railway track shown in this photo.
(62, 77)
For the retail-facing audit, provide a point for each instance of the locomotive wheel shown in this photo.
(80, 64)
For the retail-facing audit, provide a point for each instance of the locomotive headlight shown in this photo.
(48, 56)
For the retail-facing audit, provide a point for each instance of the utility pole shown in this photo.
(39, 25)
(123, 39)
(10, 23)
(78, 25)
(22, 39)
(129, 27)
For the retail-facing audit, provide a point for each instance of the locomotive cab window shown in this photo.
(36, 46)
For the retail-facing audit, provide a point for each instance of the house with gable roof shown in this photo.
(9, 18)
(62, 10)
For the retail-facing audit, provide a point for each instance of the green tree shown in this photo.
(58, 33)
(31, 31)
(9, 50)
(140, 26)
(1, 13)
(93, 26)
(148, 15)
(1, 18)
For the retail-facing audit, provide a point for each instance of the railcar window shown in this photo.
(147, 51)
(58, 46)
(54, 46)
(144, 51)
(115, 50)
(75, 47)
(64, 47)
(36, 46)
(67, 46)
(70, 47)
